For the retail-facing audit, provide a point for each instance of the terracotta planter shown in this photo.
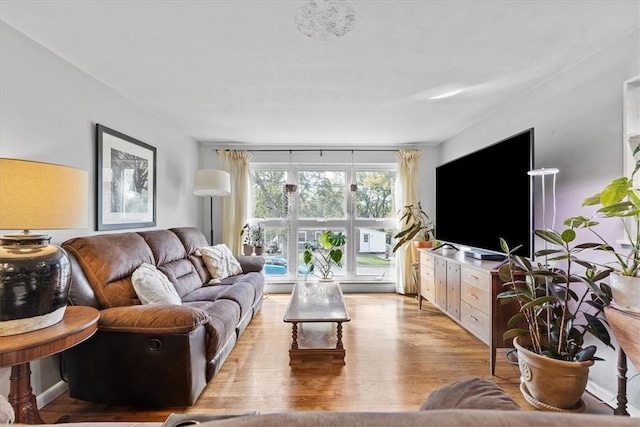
(626, 292)
(551, 384)
(423, 243)
(247, 249)
(259, 250)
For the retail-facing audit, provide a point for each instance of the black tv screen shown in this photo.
(486, 195)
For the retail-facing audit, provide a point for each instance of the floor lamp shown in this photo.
(210, 183)
(543, 172)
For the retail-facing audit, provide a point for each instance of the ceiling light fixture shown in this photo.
(446, 95)
(325, 20)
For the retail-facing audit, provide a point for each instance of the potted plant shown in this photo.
(253, 241)
(417, 227)
(619, 199)
(321, 255)
(257, 238)
(247, 245)
(557, 308)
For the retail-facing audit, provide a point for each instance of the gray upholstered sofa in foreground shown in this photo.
(160, 354)
(469, 403)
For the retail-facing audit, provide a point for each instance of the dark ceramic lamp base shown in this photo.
(34, 284)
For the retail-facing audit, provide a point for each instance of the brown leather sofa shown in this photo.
(154, 355)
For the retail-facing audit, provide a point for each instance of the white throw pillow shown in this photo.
(220, 262)
(153, 287)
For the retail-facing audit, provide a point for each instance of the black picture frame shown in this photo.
(126, 181)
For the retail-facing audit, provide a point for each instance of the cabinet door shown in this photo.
(441, 283)
(453, 289)
(427, 283)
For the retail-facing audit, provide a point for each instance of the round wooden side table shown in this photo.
(78, 324)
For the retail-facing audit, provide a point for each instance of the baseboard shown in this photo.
(610, 399)
(50, 394)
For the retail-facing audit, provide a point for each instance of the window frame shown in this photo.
(350, 223)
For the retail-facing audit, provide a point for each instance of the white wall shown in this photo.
(577, 118)
(48, 112)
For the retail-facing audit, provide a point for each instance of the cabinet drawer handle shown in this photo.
(473, 296)
(475, 319)
(473, 277)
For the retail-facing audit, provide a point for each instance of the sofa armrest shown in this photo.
(172, 319)
(250, 263)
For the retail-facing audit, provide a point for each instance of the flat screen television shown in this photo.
(486, 195)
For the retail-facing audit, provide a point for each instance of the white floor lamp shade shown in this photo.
(210, 183)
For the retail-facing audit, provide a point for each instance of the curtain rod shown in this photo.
(311, 150)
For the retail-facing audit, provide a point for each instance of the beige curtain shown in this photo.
(406, 194)
(235, 207)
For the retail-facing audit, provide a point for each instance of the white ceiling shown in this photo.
(241, 72)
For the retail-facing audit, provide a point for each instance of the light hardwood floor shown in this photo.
(395, 356)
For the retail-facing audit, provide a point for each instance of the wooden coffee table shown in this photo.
(316, 312)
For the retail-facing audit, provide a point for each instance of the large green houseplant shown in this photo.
(619, 199)
(321, 255)
(557, 308)
(416, 226)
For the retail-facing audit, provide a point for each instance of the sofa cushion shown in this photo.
(224, 315)
(153, 287)
(108, 261)
(256, 280)
(191, 238)
(164, 245)
(220, 262)
(474, 393)
(182, 273)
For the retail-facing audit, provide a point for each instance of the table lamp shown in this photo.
(35, 275)
(209, 183)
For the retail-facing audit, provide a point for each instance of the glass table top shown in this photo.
(316, 302)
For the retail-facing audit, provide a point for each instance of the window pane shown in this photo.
(374, 198)
(269, 199)
(312, 234)
(321, 194)
(373, 253)
(276, 242)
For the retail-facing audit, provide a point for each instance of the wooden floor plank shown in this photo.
(396, 355)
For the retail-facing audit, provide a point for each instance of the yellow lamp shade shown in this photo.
(42, 196)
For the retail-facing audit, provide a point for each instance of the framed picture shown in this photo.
(126, 181)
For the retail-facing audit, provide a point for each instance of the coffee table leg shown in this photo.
(339, 343)
(338, 356)
(21, 395)
(294, 356)
(294, 336)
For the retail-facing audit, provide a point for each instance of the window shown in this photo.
(321, 194)
(323, 201)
